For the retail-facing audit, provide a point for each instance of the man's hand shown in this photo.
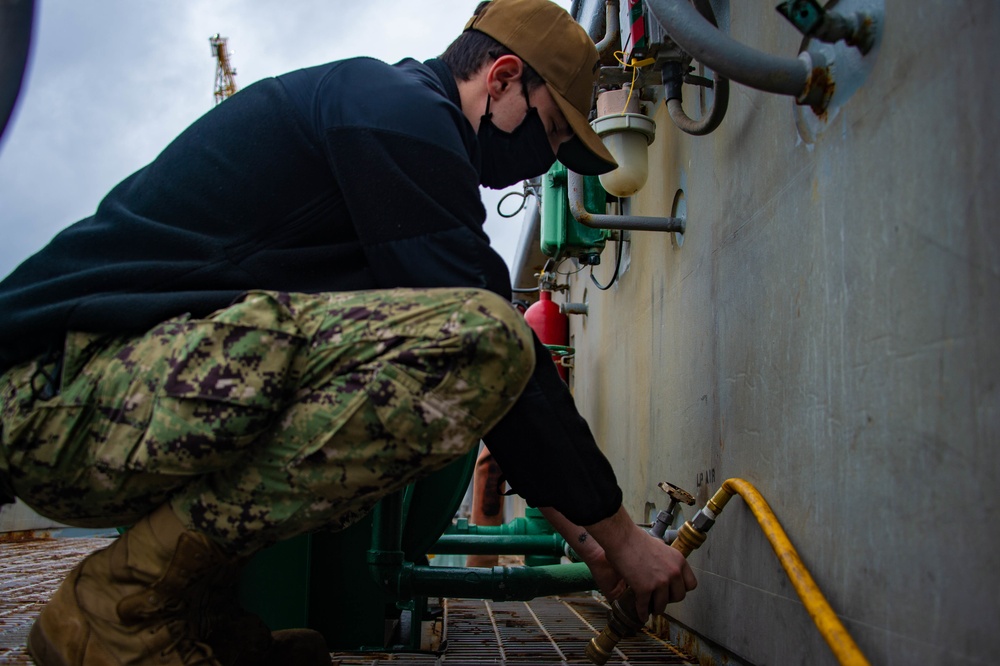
(608, 580)
(657, 573)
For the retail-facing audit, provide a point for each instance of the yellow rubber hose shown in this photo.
(829, 625)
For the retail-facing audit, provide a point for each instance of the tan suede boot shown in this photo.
(240, 638)
(125, 605)
(246, 641)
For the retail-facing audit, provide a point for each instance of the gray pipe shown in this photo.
(574, 182)
(673, 78)
(528, 253)
(731, 59)
(612, 30)
(590, 14)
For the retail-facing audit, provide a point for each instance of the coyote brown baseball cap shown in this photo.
(546, 37)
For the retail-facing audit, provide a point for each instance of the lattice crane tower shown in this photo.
(225, 74)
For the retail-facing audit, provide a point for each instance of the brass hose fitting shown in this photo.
(622, 621)
(689, 538)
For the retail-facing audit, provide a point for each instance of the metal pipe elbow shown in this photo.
(697, 37)
(711, 121)
(612, 29)
(574, 184)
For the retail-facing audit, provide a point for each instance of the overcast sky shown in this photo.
(111, 82)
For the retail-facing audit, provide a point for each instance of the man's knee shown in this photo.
(504, 344)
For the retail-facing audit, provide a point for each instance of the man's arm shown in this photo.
(620, 552)
(608, 580)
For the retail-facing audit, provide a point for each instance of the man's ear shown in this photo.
(503, 73)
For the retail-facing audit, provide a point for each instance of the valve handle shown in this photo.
(677, 493)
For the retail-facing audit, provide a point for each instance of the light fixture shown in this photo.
(627, 134)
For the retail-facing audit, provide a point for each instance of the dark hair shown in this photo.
(473, 49)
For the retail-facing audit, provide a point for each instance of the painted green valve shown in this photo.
(857, 29)
(562, 236)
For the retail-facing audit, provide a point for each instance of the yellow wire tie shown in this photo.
(635, 65)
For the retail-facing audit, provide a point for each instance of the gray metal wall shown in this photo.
(829, 332)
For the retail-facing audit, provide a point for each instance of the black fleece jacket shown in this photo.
(346, 176)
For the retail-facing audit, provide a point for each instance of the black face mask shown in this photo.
(510, 157)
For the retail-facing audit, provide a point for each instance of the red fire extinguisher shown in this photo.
(550, 325)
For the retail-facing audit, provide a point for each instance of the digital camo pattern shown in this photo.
(280, 414)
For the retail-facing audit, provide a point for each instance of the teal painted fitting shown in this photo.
(533, 522)
(516, 527)
(536, 522)
(531, 535)
(383, 565)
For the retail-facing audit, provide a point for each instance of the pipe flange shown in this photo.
(625, 122)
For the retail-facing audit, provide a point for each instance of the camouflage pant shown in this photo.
(280, 414)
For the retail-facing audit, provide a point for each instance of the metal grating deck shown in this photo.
(552, 630)
(30, 571)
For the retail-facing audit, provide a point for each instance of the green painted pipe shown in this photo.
(405, 580)
(479, 544)
(387, 521)
(498, 583)
(386, 555)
